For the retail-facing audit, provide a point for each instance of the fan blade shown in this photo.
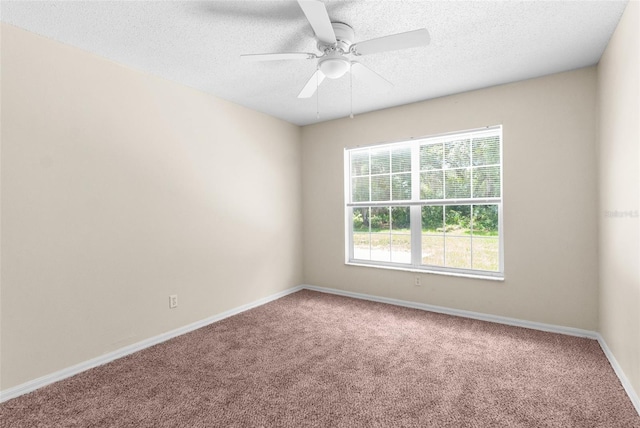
(278, 56)
(317, 15)
(311, 86)
(370, 77)
(410, 39)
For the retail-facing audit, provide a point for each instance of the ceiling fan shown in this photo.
(335, 42)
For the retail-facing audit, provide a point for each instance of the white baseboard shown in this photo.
(570, 331)
(34, 384)
(626, 384)
(103, 359)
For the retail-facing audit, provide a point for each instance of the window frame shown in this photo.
(416, 214)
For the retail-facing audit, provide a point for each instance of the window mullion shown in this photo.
(444, 236)
(471, 233)
(415, 210)
(370, 189)
(415, 172)
(416, 235)
(471, 192)
(436, 202)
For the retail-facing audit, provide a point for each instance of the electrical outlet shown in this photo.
(417, 282)
(173, 301)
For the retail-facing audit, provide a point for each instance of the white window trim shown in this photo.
(415, 213)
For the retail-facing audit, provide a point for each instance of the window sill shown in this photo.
(426, 271)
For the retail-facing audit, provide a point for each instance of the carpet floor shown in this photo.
(317, 360)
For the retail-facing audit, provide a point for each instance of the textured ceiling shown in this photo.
(198, 43)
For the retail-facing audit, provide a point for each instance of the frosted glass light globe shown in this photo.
(334, 67)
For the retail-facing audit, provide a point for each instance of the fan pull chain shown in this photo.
(318, 93)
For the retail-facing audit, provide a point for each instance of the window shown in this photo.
(432, 204)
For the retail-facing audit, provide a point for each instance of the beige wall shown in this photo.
(550, 201)
(119, 189)
(619, 102)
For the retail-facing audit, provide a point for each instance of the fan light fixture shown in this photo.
(334, 67)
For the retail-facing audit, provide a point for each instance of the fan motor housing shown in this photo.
(344, 37)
